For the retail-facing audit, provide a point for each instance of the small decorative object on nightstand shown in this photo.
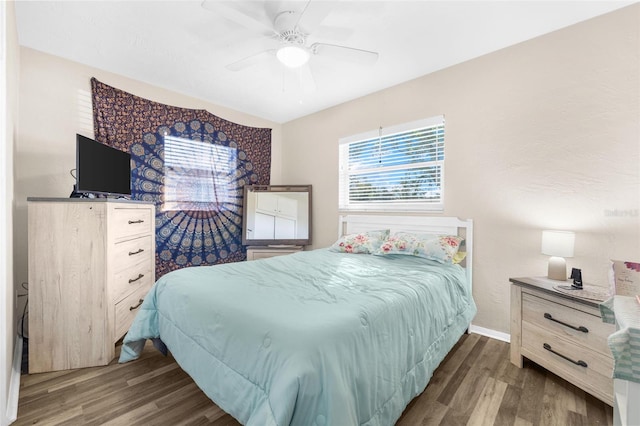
(576, 276)
(263, 252)
(563, 333)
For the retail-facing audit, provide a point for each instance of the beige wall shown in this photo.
(541, 135)
(55, 104)
(9, 111)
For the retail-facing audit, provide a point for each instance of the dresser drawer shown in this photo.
(131, 222)
(126, 311)
(575, 325)
(128, 254)
(265, 253)
(131, 279)
(594, 375)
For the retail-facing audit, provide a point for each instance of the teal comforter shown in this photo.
(313, 338)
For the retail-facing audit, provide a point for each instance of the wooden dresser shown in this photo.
(263, 252)
(91, 263)
(562, 333)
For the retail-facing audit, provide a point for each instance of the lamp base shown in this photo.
(557, 269)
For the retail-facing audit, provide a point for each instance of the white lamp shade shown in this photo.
(558, 243)
(293, 56)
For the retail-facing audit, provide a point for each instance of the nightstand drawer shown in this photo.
(126, 311)
(561, 357)
(574, 325)
(130, 222)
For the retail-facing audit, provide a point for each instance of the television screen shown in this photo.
(101, 169)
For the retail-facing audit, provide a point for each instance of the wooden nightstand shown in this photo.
(263, 252)
(562, 333)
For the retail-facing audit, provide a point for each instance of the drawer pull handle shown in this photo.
(579, 362)
(579, 328)
(131, 253)
(131, 222)
(131, 308)
(136, 279)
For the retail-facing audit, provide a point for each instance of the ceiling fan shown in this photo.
(288, 26)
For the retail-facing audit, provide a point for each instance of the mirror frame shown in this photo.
(274, 188)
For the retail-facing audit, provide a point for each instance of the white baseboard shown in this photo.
(14, 384)
(498, 335)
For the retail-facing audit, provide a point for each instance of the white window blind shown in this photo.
(198, 175)
(397, 168)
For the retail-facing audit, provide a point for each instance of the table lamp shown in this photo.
(558, 245)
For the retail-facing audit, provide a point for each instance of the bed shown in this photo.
(321, 337)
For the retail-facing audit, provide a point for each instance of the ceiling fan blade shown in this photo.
(312, 15)
(249, 21)
(351, 54)
(330, 32)
(250, 61)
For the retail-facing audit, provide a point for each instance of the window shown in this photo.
(198, 175)
(398, 168)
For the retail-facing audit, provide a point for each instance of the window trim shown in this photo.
(380, 206)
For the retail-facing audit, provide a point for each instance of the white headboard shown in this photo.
(353, 223)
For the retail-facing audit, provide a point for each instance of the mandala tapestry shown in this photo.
(192, 165)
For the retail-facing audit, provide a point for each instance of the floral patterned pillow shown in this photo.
(442, 248)
(364, 242)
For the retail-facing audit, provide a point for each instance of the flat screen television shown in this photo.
(101, 169)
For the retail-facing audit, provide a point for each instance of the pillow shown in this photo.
(364, 242)
(441, 248)
(459, 257)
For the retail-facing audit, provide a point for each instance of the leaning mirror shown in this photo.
(276, 215)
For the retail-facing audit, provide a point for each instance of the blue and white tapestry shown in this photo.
(192, 165)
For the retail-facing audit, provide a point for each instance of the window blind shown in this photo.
(399, 168)
(198, 175)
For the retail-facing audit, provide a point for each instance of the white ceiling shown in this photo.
(181, 46)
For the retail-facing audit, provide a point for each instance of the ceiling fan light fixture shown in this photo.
(293, 56)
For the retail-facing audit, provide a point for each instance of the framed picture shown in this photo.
(625, 278)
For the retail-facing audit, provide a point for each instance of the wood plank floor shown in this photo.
(475, 385)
